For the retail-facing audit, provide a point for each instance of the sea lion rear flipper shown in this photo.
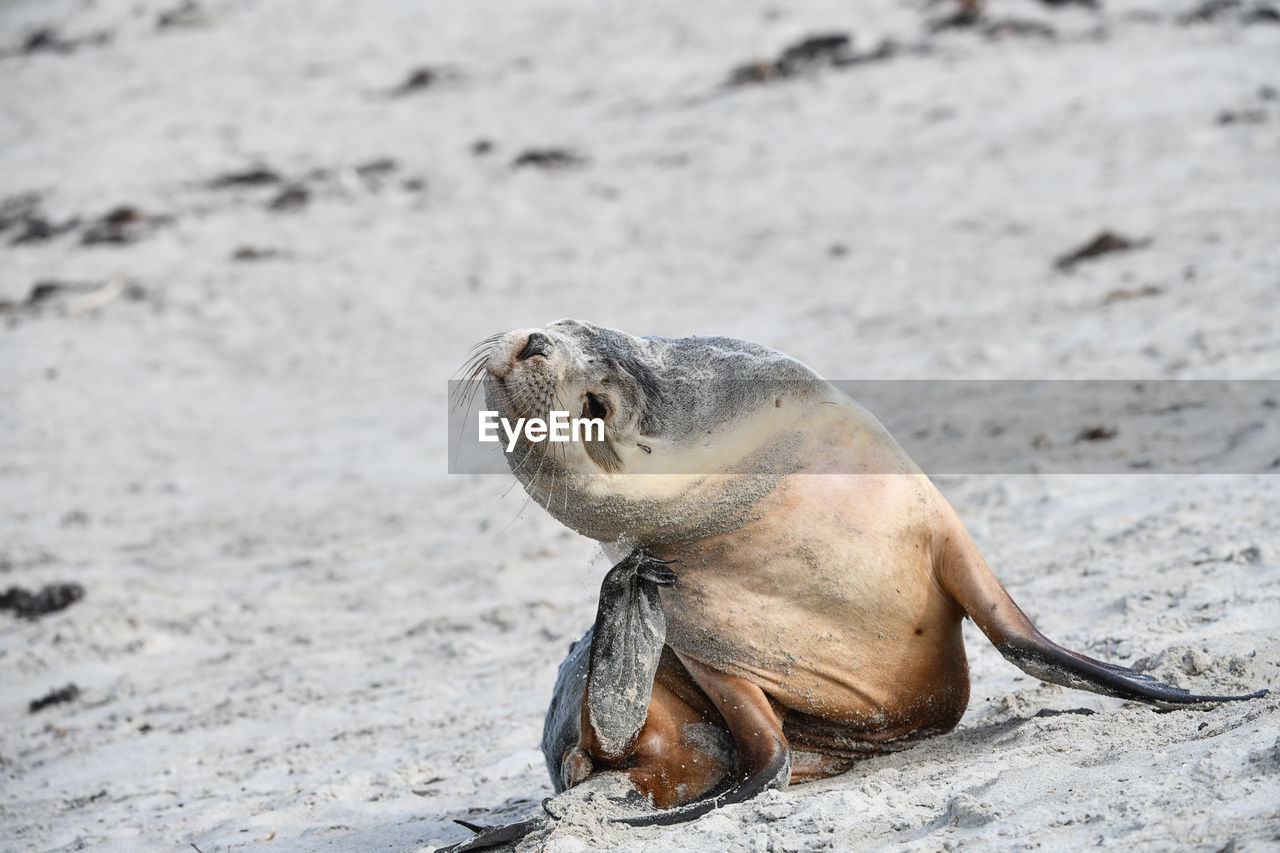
(492, 836)
(763, 753)
(1040, 657)
(626, 646)
(966, 577)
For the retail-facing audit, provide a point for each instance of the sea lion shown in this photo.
(795, 586)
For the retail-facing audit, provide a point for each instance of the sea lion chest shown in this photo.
(827, 601)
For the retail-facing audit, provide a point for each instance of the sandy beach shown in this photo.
(244, 246)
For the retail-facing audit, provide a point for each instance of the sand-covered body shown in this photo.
(794, 581)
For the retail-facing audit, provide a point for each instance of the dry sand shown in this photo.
(299, 633)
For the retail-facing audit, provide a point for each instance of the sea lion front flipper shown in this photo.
(966, 577)
(626, 647)
(603, 689)
(763, 753)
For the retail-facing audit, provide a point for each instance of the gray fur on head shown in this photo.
(666, 401)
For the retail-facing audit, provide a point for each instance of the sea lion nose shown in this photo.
(538, 344)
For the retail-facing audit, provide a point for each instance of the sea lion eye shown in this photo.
(594, 407)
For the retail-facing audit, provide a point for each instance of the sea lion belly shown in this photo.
(827, 601)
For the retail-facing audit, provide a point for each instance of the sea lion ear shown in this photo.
(626, 646)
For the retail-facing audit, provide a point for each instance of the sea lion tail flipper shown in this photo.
(761, 746)
(487, 837)
(966, 578)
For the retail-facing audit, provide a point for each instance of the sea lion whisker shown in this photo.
(537, 475)
(528, 497)
(521, 402)
(508, 491)
(563, 451)
(515, 469)
(462, 421)
(481, 349)
(528, 451)
(471, 369)
(463, 392)
(467, 367)
(551, 472)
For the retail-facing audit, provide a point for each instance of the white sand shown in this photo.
(298, 627)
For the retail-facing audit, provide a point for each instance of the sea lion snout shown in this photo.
(537, 344)
(519, 350)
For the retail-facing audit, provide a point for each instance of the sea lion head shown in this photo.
(694, 429)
